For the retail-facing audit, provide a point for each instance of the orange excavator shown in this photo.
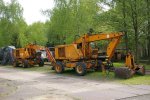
(82, 57)
(28, 56)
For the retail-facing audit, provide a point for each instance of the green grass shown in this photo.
(36, 68)
(136, 80)
(92, 75)
(99, 76)
(118, 64)
(147, 67)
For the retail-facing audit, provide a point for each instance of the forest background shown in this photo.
(75, 17)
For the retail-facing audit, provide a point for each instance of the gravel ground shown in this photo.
(18, 84)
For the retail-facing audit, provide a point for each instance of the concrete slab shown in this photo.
(110, 94)
(133, 90)
(35, 86)
(139, 97)
(142, 87)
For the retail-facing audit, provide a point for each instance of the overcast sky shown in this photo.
(32, 9)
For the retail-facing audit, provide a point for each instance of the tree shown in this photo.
(70, 17)
(148, 26)
(11, 23)
(128, 15)
(36, 33)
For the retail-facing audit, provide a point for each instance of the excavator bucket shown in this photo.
(130, 68)
(141, 70)
(123, 72)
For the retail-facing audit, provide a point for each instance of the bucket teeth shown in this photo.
(141, 70)
(123, 72)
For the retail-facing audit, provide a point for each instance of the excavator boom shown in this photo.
(97, 37)
(113, 37)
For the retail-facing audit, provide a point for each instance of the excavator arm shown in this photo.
(97, 37)
(112, 46)
(86, 39)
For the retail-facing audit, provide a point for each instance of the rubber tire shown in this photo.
(123, 72)
(41, 64)
(83, 69)
(26, 64)
(60, 66)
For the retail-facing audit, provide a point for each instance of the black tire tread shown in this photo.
(61, 65)
(83, 67)
(41, 64)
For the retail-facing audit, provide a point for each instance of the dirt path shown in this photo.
(17, 84)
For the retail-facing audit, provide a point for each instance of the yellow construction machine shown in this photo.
(81, 56)
(28, 56)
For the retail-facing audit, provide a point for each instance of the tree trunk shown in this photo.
(148, 26)
(134, 17)
(124, 24)
(146, 49)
